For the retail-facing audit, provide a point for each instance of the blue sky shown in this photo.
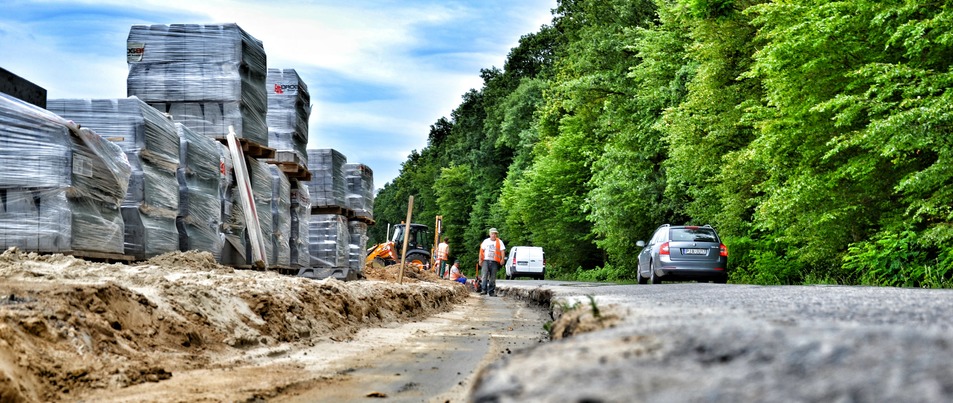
(379, 72)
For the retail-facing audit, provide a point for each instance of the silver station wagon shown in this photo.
(683, 252)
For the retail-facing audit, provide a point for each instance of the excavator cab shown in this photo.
(388, 253)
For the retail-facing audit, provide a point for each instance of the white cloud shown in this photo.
(422, 55)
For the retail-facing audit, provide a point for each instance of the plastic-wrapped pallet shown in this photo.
(281, 218)
(360, 189)
(327, 184)
(300, 221)
(328, 241)
(357, 246)
(235, 251)
(151, 144)
(201, 180)
(261, 185)
(62, 186)
(289, 108)
(209, 77)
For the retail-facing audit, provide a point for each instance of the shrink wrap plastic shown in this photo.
(202, 180)
(327, 184)
(151, 145)
(281, 218)
(328, 240)
(261, 186)
(233, 218)
(62, 186)
(208, 77)
(300, 221)
(357, 246)
(289, 108)
(360, 189)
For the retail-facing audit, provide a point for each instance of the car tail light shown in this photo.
(723, 250)
(663, 250)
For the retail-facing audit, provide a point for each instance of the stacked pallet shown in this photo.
(342, 208)
(151, 145)
(300, 256)
(208, 77)
(211, 78)
(62, 186)
(357, 244)
(329, 241)
(281, 219)
(289, 108)
(203, 180)
(359, 192)
(327, 185)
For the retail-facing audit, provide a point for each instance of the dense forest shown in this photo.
(814, 135)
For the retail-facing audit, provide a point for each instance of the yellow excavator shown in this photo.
(388, 253)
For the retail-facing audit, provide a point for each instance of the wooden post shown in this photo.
(403, 252)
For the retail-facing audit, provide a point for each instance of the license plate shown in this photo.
(522, 263)
(694, 251)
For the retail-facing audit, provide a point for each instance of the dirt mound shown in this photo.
(412, 274)
(68, 325)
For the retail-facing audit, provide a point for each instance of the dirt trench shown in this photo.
(73, 329)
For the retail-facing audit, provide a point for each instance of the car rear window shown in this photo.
(693, 235)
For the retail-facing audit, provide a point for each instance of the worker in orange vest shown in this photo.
(443, 253)
(491, 259)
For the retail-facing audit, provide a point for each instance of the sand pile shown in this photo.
(68, 325)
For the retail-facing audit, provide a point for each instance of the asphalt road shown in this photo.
(694, 342)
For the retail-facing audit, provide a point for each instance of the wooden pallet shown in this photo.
(250, 148)
(286, 270)
(293, 170)
(346, 212)
(104, 257)
(366, 220)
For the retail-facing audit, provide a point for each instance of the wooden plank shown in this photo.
(247, 197)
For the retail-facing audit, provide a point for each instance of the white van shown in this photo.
(525, 261)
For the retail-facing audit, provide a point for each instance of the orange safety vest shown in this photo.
(443, 251)
(497, 253)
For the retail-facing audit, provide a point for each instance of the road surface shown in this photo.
(693, 342)
(435, 360)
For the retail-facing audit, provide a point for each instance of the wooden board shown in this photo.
(247, 197)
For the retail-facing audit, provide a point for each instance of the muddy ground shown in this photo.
(71, 328)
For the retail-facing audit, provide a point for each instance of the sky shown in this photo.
(379, 72)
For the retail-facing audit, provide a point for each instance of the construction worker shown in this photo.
(443, 253)
(455, 274)
(491, 259)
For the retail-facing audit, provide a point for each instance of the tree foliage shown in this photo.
(814, 135)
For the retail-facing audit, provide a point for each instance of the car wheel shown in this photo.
(653, 278)
(638, 275)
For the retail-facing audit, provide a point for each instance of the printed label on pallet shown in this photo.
(134, 51)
